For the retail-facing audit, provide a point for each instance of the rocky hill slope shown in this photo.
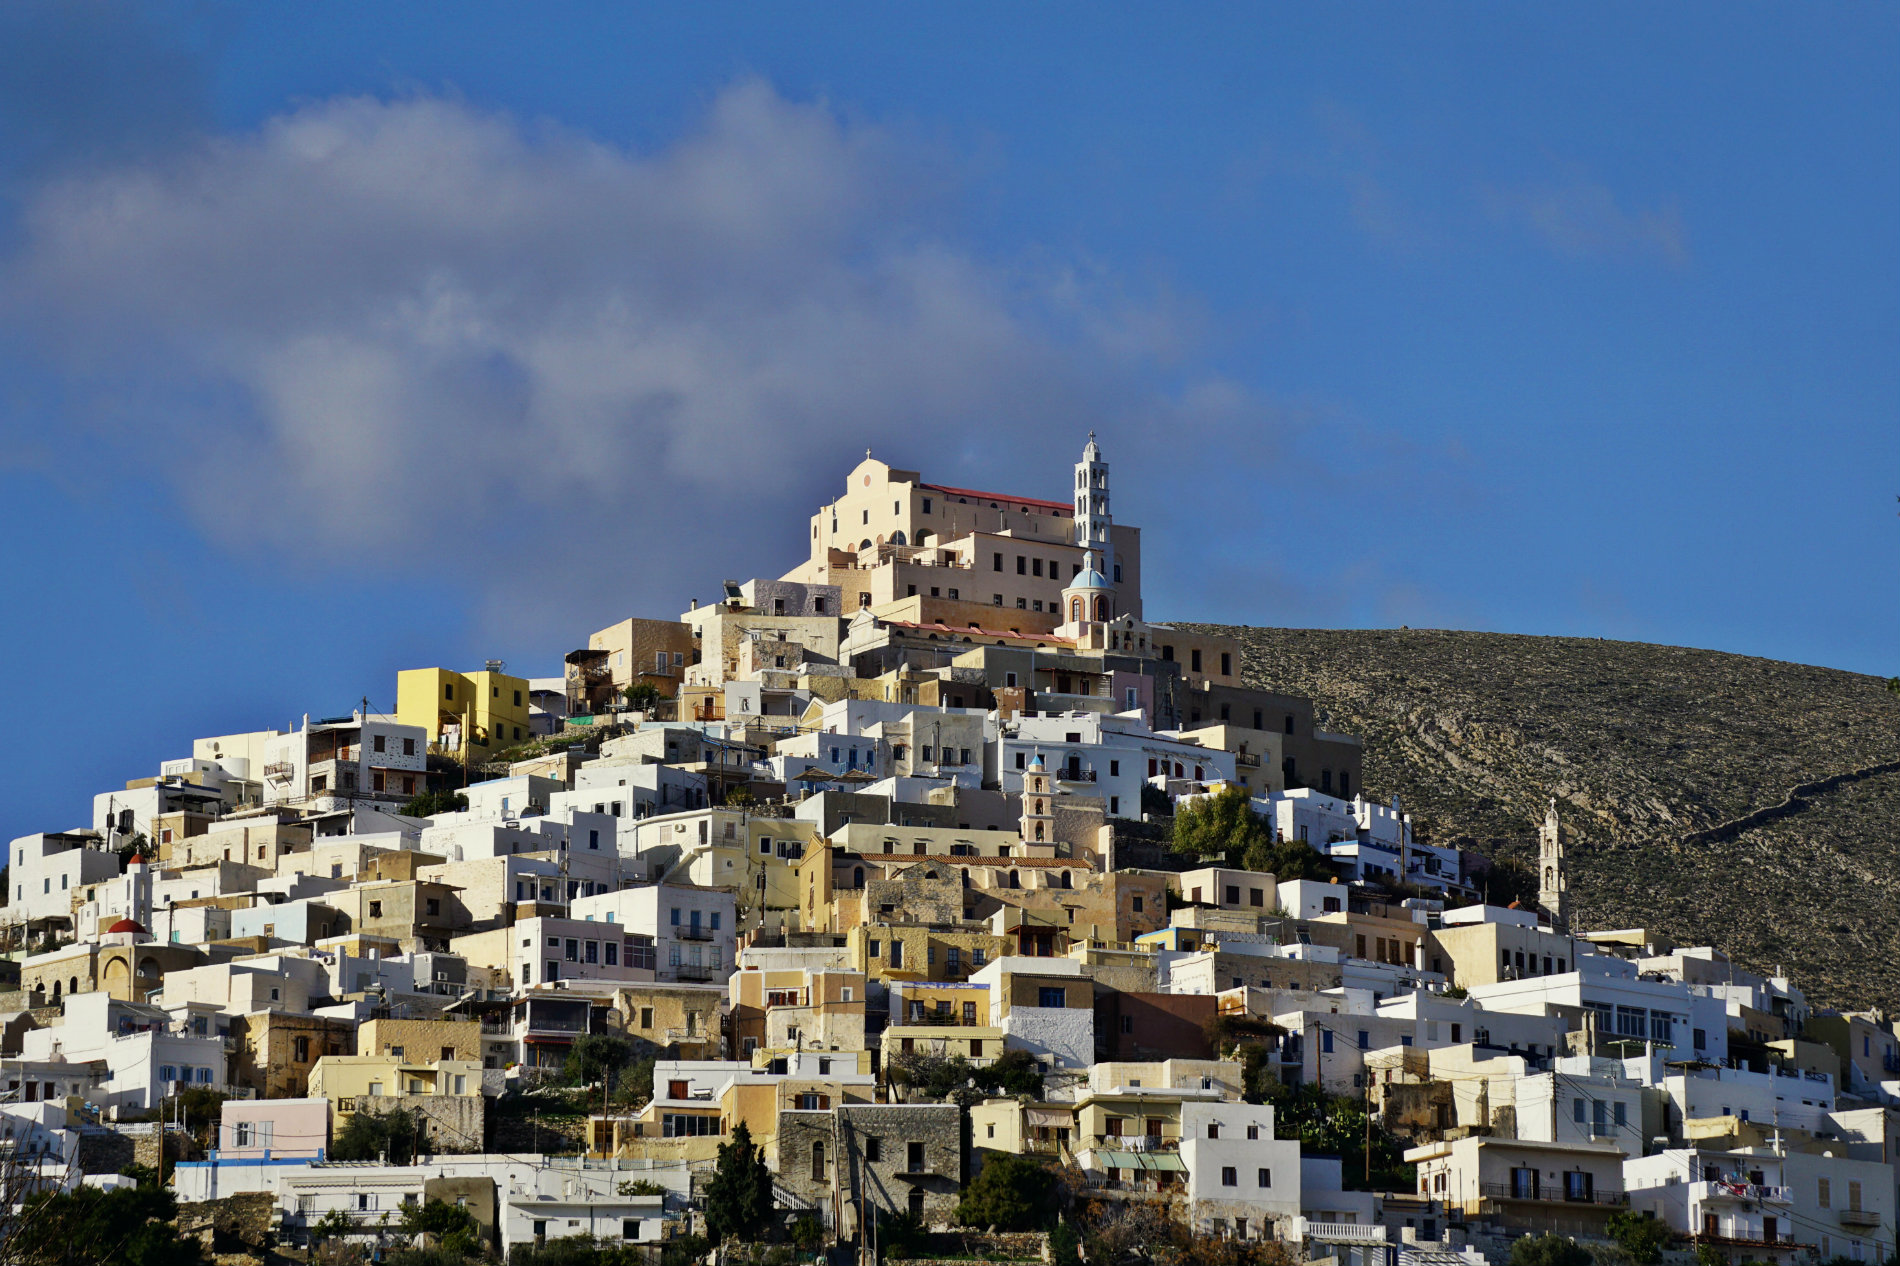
(1715, 798)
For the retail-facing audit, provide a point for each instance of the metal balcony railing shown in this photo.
(1552, 1195)
(694, 933)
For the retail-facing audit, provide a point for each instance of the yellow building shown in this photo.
(900, 951)
(343, 1079)
(450, 1040)
(470, 716)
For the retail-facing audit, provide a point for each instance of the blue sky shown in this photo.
(333, 343)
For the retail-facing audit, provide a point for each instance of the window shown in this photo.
(1213, 1129)
(1051, 996)
(1229, 1176)
(302, 1048)
(1194, 661)
(914, 1161)
(379, 742)
(996, 564)
(1266, 1178)
(1326, 1041)
(408, 747)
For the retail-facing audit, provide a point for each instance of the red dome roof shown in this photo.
(125, 925)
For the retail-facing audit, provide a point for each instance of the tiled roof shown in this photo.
(999, 497)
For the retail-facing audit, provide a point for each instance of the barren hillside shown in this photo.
(1674, 768)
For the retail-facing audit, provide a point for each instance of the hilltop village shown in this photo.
(927, 901)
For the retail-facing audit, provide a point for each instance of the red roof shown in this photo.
(999, 497)
(975, 633)
(125, 925)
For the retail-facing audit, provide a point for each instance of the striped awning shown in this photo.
(1140, 1160)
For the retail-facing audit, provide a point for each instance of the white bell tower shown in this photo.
(1553, 887)
(1092, 519)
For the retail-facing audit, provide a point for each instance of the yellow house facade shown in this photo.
(466, 715)
(343, 1079)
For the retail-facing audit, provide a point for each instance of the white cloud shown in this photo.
(1581, 217)
(383, 337)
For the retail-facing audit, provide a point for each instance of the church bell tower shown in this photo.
(1553, 890)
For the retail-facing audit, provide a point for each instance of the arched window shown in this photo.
(1101, 607)
(1039, 830)
(923, 536)
(74, 986)
(897, 538)
(1550, 876)
(864, 544)
(1067, 880)
(1014, 880)
(818, 1161)
(1075, 610)
(56, 989)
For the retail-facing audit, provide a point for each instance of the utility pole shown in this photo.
(1368, 1076)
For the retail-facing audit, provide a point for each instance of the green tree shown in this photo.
(368, 1135)
(1290, 859)
(453, 1227)
(1064, 1246)
(642, 696)
(596, 1057)
(429, 803)
(1221, 827)
(1014, 1072)
(1643, 1238)
(739, 1196)
(199, 1107)
(128, 1226)
(635, 1086)
(1012, 1193)
(1548, 1250)
(1336, 1125)
(808, 1232)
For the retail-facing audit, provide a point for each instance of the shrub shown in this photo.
(1548, 1250)
(1012, 1193)
(1643, 1238)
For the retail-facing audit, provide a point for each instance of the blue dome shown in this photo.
(1090, 579)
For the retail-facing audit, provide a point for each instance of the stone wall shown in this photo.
(242, 1226)
(104, 1151)
(450, 1123)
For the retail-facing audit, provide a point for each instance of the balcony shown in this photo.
(1748, 1191)
(694, 934)
(1137, 1142)
(1859, 1218)
(936, 1019)
(1342, 1232)
(1071, 773)
(1552, 1195)
(692, 971)
(1780, 1240)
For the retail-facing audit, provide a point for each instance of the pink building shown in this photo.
(274, 1129)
